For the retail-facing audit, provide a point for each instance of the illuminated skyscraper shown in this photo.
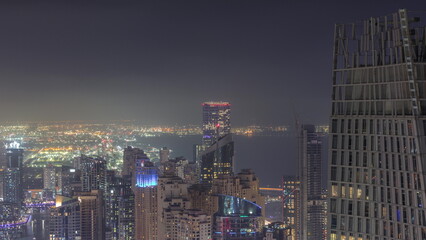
(14, 156)
(216, 121)
(49, 178)
(80, 217)
(64, 222)
(13, 176)
(92, 217)
(93, 174)
(145, 190)
(112, 205)
(378, 129)
(12, 187)
(130, 156)
(126, 217)
(172, 200)
(291, 206)
(218, 160)
(311, 201)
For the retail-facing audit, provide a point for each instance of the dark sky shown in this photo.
(156, 61)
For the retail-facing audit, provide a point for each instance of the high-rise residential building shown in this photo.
(197, 149)
(164, 154)
(12, 188)
(64, 221)
(93, 174)
(172, 200)
(192, 224)
(14, 156)
(80, 217)
(13, 175)
(130, 156)
(49, 178)
(243, 186)
(273, 204)
(112, 205)
(216, 121)
(76, 162)
(126, 217)
(378, 128)
(145, 190)
(311, 201)
(92, 217)
(291, 206)
(180, 167)
(32, 178)
(66, 176)
(201, 197)
(218, 159)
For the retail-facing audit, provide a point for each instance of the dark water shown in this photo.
(270, 157)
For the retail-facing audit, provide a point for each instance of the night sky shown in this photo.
(156, 61)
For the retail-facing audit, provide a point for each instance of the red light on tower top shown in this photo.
(216, 104)
(218, 125)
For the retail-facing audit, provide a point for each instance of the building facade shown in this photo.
(145, 190)
(378, 127)
(310, 175)
(216, 121)
(64, 221)
(129, 159)
(291, 206)
(218, 159)
(49, 178)
(172, 200)
(193, 224)
(92, 215)
(93, 174)
(126, 217)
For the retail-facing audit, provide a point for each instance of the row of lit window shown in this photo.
(408, 215)
(352, 229)
(395, 144)
(374, 176)
(378, 194)
(400, 162)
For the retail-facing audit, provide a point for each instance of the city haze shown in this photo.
(155, 62)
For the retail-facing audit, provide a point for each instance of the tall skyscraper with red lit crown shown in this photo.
(216, 121)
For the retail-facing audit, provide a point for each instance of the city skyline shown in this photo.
(154, 61)
(221, 120)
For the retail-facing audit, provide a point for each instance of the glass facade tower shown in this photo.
(216, 121)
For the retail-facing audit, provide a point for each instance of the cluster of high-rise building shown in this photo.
(171, 198)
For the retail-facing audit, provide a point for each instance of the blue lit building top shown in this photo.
(146, 174)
